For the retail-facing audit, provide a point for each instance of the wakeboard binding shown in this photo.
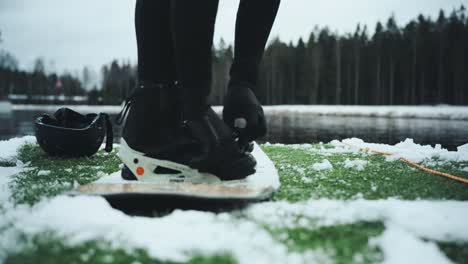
(158, 145)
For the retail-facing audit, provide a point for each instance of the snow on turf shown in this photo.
(357, 164)
(408, 224)
(83, 219)
(401, 246)
(417, 217)
(266, 174)
(171, 237)
(43, 172)
(5, 175)
(429, 112)
(408, 149)
(9, 148)
(324, 165)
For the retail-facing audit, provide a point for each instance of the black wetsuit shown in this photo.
(175, 42)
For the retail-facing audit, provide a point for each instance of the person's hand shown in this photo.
(243, 113)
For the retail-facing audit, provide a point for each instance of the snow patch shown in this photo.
(75, 184)
(306, 180)
(9, 148)
(426, 112)
(43, 172)
(408, 149)
(101, 174)
(357, 164)
(81, 219)
(324, 165)
(400, 246)
(299, 170)
(266, 175)
(417, 217)
(5, 175)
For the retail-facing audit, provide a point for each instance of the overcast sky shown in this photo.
(70, 34)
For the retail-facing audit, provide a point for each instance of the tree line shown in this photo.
(423, 62)
(37, 87)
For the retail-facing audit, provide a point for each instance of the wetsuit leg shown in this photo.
(253, 25)
(193, 28)
(156, 61)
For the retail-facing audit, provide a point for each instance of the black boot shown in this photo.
(220, 152)
(152, 118)
(155, 127)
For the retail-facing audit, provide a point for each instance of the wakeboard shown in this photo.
(166, 195)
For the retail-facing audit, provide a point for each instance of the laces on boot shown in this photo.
(109, 133)
(128, 102)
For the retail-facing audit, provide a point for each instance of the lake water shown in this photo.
(303, 128)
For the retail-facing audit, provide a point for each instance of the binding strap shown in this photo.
(123, 113)
(109, 132)
(148, 86)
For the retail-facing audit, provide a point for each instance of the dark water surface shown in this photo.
(303, 128)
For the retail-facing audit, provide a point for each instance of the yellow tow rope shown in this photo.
(414, 164)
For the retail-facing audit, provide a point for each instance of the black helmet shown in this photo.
(68, 133)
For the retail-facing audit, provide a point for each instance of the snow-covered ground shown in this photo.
(9, 148)
(81, 219)
(410, 226)
(409, 150)
(428, 112)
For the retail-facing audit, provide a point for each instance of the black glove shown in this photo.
(243, 113)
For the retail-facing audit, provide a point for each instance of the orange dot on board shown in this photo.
(140, 171)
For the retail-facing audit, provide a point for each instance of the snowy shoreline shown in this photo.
(422, 112)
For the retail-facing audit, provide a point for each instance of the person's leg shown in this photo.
(152, 108)
(193, 28)
(253, 25)
(156, 61)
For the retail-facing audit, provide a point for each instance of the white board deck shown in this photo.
(257, 186)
